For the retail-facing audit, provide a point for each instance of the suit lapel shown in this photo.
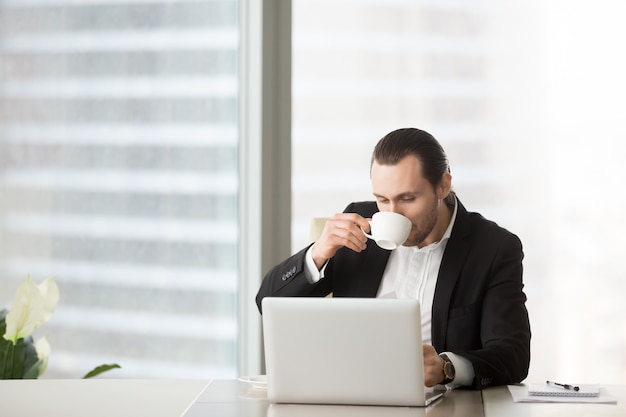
(449, 272)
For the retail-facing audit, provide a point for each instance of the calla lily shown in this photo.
(32, 307)
(43, 352)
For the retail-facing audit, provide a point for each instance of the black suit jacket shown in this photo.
(478, 309)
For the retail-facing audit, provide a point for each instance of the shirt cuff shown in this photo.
(310, 269)
(463, 369)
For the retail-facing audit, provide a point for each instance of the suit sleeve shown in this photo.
(288, 279)
(504, 329)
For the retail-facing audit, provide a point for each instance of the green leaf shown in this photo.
(100, 369)
(33, 371)
(29, 357)
(17, 360)
(3, 324)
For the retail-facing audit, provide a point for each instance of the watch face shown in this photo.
(449, 370)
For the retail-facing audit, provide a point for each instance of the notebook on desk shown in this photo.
(350, 351)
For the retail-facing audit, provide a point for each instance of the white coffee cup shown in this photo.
(389, 230)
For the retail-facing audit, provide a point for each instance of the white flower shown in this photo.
(32, 307)
(43, 352)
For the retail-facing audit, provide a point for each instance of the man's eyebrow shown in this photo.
(404, 194)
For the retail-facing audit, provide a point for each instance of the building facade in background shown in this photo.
(118, 177)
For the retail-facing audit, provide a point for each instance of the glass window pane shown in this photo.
(118, 176)
(527, 99)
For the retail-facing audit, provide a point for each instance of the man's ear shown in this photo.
(444, 186)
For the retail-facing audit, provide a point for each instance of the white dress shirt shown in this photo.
(411, 272)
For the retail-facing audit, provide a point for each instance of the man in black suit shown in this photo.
(465, 270)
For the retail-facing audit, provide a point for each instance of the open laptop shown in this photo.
(351, 351)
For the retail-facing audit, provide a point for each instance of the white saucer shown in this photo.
(257, 381)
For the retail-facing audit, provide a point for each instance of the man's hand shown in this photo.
(342, 230)
(433, 367)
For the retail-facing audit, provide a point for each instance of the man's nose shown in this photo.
(393, 207)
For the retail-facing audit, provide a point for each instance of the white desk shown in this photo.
(226, 398)
(497, 402)
(97, 397)
(172, 398)
(230, 398)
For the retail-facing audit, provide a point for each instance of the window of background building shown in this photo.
(527, 99)
(118, 177)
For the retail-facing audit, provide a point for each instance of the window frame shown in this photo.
(264, 161)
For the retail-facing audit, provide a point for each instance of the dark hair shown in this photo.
(410, 141)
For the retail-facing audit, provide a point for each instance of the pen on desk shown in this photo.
(564, 386)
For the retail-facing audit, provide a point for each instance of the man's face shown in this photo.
(401, 188)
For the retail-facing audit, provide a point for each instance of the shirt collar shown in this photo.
(448, 231)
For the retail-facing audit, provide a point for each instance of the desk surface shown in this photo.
(230, 398)
(97, 397)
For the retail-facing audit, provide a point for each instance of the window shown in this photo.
(527, 100)
(119, 177)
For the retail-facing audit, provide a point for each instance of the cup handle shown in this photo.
(369, 236)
